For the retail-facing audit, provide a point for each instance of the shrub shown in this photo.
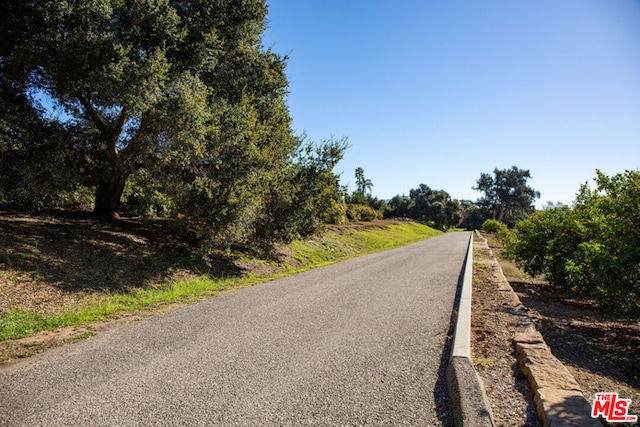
(591, 250)
(543, 242)
(337, 213)
(362, 213)
(492, 226)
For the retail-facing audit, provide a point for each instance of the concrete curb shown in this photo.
(465, 388)
(558, 397)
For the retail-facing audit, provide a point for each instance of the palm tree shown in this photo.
(363, 185)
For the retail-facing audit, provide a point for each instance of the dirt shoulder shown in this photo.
(493, 328)
(600, 349)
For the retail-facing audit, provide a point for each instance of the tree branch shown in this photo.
(117, 130)
(94, 116)
(110, 135)
(135, 144)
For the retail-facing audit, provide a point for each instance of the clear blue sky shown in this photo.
(436, 92)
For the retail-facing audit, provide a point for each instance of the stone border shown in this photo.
(557, 395)
(465, 388)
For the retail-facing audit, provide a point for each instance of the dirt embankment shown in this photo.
(50, 262)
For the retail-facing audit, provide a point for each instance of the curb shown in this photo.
(465, 388)
(558, 397)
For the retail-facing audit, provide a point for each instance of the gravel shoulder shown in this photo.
(601, 350)
(493, 328)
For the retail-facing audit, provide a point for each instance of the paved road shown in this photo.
(356, 343)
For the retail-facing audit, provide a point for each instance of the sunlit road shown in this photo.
(355, 343)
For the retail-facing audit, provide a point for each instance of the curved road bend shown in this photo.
(354, 343)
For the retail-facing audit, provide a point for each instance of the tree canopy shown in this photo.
(434, 207)
(507, 197)
(180, 97)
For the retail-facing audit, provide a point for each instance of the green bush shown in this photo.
(492, 226)
(362, 213)
(337, 213)
(143, 193)
(543, 242)
(591, 250)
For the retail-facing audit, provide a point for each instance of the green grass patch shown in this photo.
(21, 323)
(334, 246)
(331, 247)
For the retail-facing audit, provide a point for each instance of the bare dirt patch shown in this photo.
(493, 327)
(601, 349)
(52, 261)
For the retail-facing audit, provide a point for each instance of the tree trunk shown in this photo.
(108, 192)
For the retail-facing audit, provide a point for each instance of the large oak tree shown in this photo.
(183, 90)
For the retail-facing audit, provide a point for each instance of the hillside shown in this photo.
(73, 274)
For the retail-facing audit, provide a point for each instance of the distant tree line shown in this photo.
(506, 198)
(433, 207)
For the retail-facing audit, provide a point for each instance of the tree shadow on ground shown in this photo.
(583, 336)
(81, 253)
(523, 388)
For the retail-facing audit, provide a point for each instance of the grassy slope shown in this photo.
(333, 246)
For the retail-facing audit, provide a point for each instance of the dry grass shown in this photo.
(62, 275)
(601, 349)
(51, 262)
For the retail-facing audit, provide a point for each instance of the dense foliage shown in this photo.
(361, 212)
(432, 207)
(361, 205)
(494, 227)
(592, 249)
(173, 107)
(473, 218)
(507, 197)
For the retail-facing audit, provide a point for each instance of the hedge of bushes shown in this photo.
(591, 250)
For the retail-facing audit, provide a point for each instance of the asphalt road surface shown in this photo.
(356, 343)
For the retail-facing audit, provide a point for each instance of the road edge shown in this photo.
(466, 391)
(558, 397)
